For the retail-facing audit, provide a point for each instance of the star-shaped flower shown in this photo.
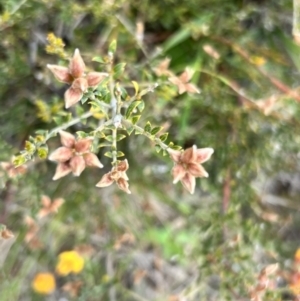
(73, 156)
(118, 175)
(49, 206)
(188, 165)
(163, 68)
(182, 82)
(74, 75)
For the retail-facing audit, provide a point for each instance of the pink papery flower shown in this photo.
(182, 82)
(188, 165)
(163, 68)
(11, 170)
(118, 175)
(73, 156)
(74, 75)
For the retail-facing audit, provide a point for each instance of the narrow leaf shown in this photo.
(156, 129)
(136, 87)
(147, 127)
(131, 108)
(164, 137)
(108, 154)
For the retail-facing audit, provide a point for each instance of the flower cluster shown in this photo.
(75, 76)
(188, 165)
(68, 262)
(75, 155)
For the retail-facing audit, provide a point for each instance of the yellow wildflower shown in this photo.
(69, 262)
(43, 283)
(297, 255)
(258, 60)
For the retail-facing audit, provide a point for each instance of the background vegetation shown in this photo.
(160, 243)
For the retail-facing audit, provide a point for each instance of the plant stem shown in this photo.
(296, 21)
(114, 110)
(68, 124)
(148, 135)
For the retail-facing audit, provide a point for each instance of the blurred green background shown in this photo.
(160, 243)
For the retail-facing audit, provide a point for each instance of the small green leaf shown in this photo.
(147, 127)
(108, 154)
(109, 138)
(135, 119)
(176, 147)
(84, 99)
(104, 145)
(157, 148)
(129, 130)
(124, 93)
(98, 134)
(42, 132)
(51, 135)
(131, 108)
(58, 120)
(120, 154)
(79, 110)
(156, 129)
(164, 137)
(118, 70)
(98, 59)
(141, 106)
(81, 134)
(136, 87)
(120, 137)
(139, 131)
(112, 46)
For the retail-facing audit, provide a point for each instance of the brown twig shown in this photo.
(276, 82)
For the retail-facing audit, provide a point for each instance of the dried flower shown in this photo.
(73, 288)
(126, 239)
(5, 233)
(69, 262)
(31, 237)
(163, 68)
(48, 206)
(182, 82)
(44, 283)
(75, 76)
(188, 165)
(295, 283)
(73, 156)
(211, 51)
(267, 105)
(11, 170)
(118, 175)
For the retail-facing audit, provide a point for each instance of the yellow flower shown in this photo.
(297, 255)
(69, 262)
(43, 283)
(258, 60)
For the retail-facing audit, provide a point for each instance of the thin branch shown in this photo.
(68, 124)
(296, 21)
(273, 80)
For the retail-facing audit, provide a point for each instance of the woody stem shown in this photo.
(114, 109)
(127, 123)
(68, 124)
